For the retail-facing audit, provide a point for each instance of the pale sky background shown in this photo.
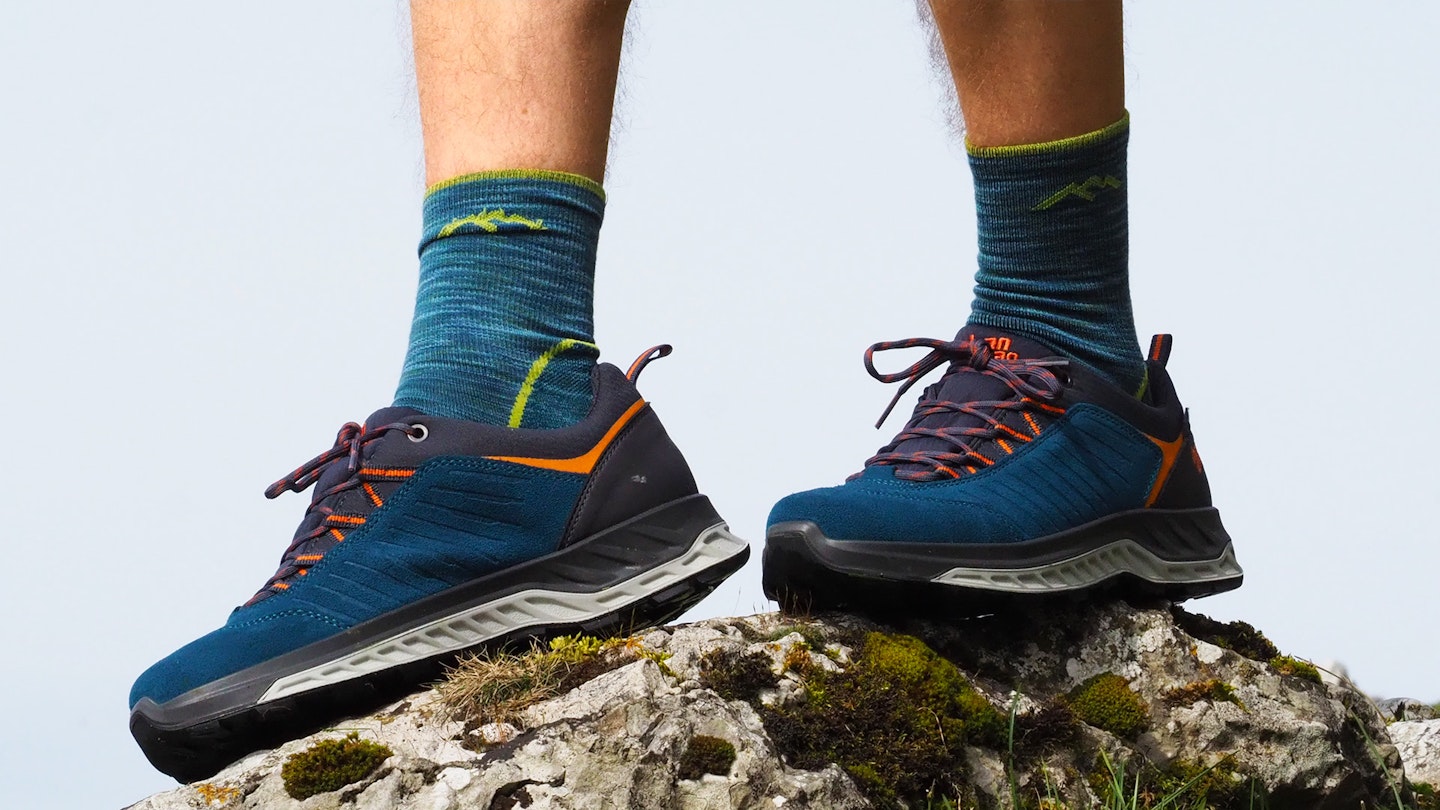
(208, 221)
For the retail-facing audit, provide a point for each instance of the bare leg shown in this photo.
(1029, 71)
(507, 84)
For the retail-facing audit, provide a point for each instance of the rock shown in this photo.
(1211, 715)
(1418, 742)
(1397, 709)
(615, 742)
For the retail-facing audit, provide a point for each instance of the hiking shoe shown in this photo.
(425, 537)
(1020, 473)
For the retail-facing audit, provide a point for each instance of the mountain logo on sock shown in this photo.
(491, 221)
(1086, 191)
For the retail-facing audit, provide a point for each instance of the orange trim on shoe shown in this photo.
(1030, 420)
(583, 463)
(380, 472)
(374, 496)
(1169, 452)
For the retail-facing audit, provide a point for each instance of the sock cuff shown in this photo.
(521, 174)
(510, 202)
(1119, 129)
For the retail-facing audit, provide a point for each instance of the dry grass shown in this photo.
(496, 687)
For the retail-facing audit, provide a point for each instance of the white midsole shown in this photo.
(1090, 568)
(531, 608)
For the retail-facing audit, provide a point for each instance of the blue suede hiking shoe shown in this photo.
(426, 537)
(1020, 473)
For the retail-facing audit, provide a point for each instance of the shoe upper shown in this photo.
(409, 505)
(1013, 443)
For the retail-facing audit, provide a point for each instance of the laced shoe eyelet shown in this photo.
(417, 433)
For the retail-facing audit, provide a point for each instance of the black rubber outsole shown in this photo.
(201, 750)
(802, 584)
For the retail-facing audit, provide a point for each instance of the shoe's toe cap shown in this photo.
(236, 646)
(895, 511)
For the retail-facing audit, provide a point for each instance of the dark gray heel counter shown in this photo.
(1187, 487)
(641, 470)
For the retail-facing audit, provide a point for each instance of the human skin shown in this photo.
(520, 84)
(1031, 71)
(516, 84)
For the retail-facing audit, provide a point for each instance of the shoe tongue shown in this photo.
(963, 387)
(1006, 344)
(385, 416)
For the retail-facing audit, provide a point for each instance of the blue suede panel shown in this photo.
(456, 519)
(1086, 465)
(231, 648)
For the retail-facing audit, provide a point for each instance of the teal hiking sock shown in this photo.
(1054, 248)
(504, 315)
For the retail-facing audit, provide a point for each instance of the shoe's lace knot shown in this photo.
(349, 444)
(1034, 385)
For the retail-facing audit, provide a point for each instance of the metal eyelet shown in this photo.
(417, 433)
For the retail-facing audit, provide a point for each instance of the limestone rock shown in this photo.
(1397, 709)
(616, 741)
(1419, 744)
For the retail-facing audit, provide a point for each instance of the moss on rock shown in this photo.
(897, 719)
(1213, 690)
(737, 676)
(1239, 637)
(705, 754)
(1107, 702)
(1043, 731)
(813, 634)
(1181, 785)
(330, 765)
(1289, 665)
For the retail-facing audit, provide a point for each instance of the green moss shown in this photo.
(1216, 786)
(1041, 792)
(872, 784)
(1181, 785)
(577, 647)
(1426, 797)
(1106, 701)
(737, 677)
(661, 659)
(897, 719)
(705, 754)
(797, 659)
(1287, 665)
(1213, 690)
(330, 765)
(813, 634)
(1040, 732)
(1237, 636)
